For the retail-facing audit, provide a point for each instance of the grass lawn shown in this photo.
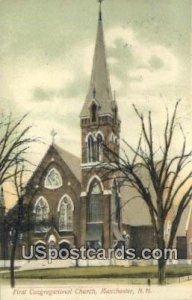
(102, 272)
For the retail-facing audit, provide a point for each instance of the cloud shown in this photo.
(45, 92)
(147, 65)
(42, 94)
(28, 81)
(54, 93)
(156, 62)
(150, 78)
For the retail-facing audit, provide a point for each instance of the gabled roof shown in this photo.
(184, 222)
(99, 88)
(72, 161)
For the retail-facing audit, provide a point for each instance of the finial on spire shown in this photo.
(100, 11)
(53, 134)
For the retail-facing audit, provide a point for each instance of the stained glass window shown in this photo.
(66, 215)
(41, 211)
(53, 179)
(95, 203)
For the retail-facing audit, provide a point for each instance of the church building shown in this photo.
(69, 200)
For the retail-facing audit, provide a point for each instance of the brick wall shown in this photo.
(142, 237)
(71, 187)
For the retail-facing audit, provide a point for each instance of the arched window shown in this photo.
(99, 147)
(115, 205)
(53, 179)
(41, 211)
(95, 203)
(65, 214)
(93, 112)
(90, 149)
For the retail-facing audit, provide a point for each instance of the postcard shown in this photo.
(95, 149)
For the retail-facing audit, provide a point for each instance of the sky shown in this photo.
(46, 58)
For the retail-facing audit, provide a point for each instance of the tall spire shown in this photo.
(100, 82)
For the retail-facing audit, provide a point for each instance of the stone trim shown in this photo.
(105, 192)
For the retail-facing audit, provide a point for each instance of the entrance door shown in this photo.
(66, 249)
(64, 245)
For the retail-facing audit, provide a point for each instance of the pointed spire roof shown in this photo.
(99, 88)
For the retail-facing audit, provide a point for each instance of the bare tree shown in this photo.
(15, 142)
(170, 176)
(19, 187)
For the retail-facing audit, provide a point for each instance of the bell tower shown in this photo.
(100, 124)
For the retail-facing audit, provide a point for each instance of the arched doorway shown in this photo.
(64, 245)
(64, 249)
(95, 217)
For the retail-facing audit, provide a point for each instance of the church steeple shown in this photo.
(100, 83)
(99, 125)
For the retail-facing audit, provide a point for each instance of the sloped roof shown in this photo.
(100, 82)
(134, 209)
(72, 161)
(184, 222)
